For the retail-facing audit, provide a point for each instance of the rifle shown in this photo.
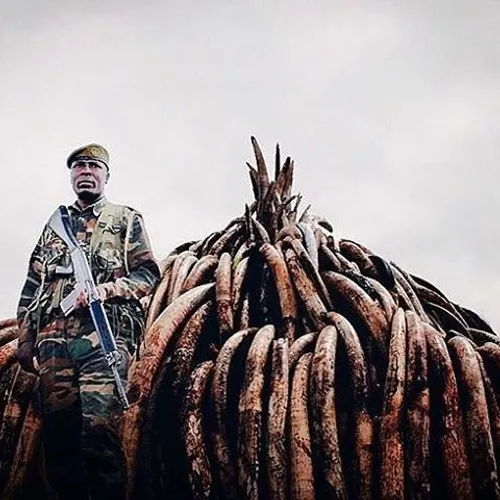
(59, 222)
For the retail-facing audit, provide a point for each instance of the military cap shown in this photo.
(89, 152)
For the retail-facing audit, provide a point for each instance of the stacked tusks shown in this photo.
(280, 361)
(20, 425)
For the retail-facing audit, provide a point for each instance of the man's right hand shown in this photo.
(83, 299)
(26, 357)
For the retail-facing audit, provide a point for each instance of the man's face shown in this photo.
(88, 179)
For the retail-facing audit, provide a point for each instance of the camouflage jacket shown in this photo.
(120, 256)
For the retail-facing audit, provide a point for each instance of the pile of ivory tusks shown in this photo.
(20, 424)
(280, 361)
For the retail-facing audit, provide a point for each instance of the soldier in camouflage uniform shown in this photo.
(83, 455)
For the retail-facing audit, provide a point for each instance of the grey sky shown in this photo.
(391, 113)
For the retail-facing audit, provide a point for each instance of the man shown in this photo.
(83, 455)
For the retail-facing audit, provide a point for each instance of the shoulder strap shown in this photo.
(59, 223)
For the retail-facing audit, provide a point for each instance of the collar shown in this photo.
(96, 207)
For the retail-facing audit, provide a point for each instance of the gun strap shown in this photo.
(59, 223)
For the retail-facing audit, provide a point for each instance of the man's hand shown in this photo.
(83, 298)
(26, 357)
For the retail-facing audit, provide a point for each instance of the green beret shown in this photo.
(89, 152)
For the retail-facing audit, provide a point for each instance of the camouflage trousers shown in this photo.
(83, 455)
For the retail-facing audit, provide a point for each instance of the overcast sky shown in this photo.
(392, 113)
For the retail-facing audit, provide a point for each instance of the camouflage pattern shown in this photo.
(80, 405)
(81, 409)
(120, 257)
